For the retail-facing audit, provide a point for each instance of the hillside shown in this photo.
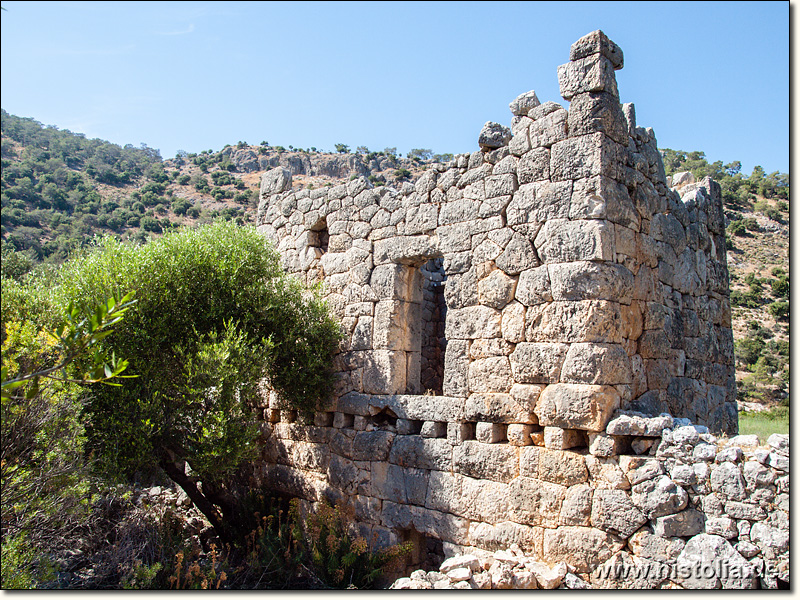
(60, 189)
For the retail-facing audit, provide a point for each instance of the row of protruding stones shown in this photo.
(574, 275)
(581, 506)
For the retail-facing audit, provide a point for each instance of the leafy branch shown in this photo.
(77, 337)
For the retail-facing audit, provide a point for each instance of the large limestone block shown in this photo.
(385, 372)
(520, 105)
(406, 250)
(499, 408)
(561, 241)
(372, 445)
(594, 73)
(513, 323)
(597, 111)
(645, 544)
(613, 511)
(584, 548)
(444, 492)
(533, 286)
(276, 181)
(554, 466)
(388, 482)
(491, 374)
(591, 362)
(535, 502)
(493, 135)
(496, 290)
(473, 322)
(601, 197)
(396, 282)
(577, 406)
(421, 453)
(597, 42)
(582, 321)
(538, 202)
(502, 535)
(456, 366)
(659, 497)
(537, 362)
(577, 506)
(549, 129)
(710, 562)
(483, 500)
(517, 256)
(586, 156)
(586, 280)
(396, 326)
(437, 524)
(534, 166)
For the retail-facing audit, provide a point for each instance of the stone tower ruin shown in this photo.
(502, 314)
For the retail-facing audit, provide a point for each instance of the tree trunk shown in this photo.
(203, 504)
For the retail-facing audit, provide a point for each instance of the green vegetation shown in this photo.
(214, 315)
(737, 190)
(765, 423)
(50, 200)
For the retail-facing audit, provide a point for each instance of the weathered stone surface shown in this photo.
(597, 111)
(421, 453)
(537, 362)
(612, 510)
(645, 544)
(683, 524)
(485, 461)
(533, 286)
(496, 290)
(577, 406)
(561, 241)
(593, 363)
(659, 496)
(588, 281)
(473, 322)
(597, 42)
(499, 408)
(711, 562)
(493, 135)
(276, 181)
(583, 547)
(534, 502)
(576, 509)
(523, 103)
(568, 322)
(727, 480)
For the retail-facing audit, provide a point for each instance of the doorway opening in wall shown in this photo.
(432, 314)
(427, 552)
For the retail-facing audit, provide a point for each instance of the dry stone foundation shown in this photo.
(524, 330)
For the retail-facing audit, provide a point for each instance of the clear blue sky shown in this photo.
(710, 76)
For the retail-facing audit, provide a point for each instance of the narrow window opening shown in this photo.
(432, 315)
(319, 236)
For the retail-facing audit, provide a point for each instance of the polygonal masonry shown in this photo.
(529, 314)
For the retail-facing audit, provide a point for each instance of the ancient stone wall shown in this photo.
(499, 313)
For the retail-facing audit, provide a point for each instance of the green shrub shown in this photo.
(215, 314)
(737, 228)
(779, 310)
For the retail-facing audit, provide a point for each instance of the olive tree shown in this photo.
(215, 320)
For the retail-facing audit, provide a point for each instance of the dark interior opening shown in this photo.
(427, 552)
(433, 313)
(319, 236)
